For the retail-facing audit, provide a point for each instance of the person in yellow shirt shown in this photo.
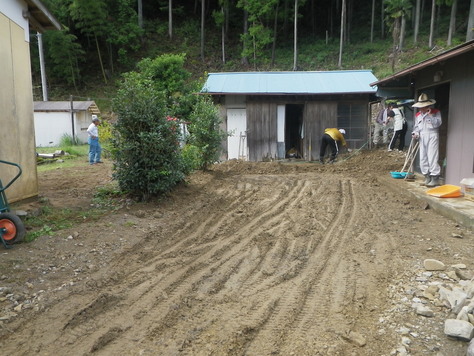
(332, 138)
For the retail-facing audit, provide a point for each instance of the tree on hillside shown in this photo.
(203, 14)
(295, 38)
(220, 19)
(452, 20)
(417, 21)
(470, 23)
(341, 40)
(396, 10)
(170, 19)
(372, 21)
(65, 55)
(90, 16)
(140, 13)
(259, 34)
(432, 23)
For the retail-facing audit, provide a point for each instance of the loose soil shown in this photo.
(271, 258)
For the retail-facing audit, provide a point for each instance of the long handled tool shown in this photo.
(410, 174)
(410, 157)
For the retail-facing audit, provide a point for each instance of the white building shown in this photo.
(54, 119)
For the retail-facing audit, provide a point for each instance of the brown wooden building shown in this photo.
(269, 114)
(449, 79)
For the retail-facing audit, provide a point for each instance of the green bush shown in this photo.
(191, 157)
(145, 145)
(205, 132)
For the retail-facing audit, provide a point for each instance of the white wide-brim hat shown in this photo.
(423, 101)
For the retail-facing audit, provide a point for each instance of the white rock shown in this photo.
(433, 265)
(459, 329)
(470, 349)
(424, 311)
(455, 298)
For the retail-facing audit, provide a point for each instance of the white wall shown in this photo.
(50, 127)
(13, 9)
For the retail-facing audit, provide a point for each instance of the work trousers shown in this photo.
(429, 153)
(94, 150)
(385, 129)
(399, 134)
(327, 140)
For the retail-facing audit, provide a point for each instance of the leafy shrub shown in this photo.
(205, 132)
(191, 157)
(145, 145)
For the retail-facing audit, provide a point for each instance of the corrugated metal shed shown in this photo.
(65, 106)
(277, 83)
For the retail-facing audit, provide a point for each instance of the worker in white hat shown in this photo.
(426, 129)
(332, 138)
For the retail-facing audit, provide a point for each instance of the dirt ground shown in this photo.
(263, 258)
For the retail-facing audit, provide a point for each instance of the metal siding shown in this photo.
(317, 116)
(262, 131)
(457, 131)
(330, 82)
(460, 145)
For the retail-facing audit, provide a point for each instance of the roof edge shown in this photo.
(455, 51)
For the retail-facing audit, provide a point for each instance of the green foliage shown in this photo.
(64, 55)
(205, 131)
(191, 157)
(145, 146)
(167, 73)
(66, 141)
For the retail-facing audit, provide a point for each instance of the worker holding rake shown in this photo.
(426, 129)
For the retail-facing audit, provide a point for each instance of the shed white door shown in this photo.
(237, 140)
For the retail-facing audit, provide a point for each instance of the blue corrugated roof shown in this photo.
(330, 82)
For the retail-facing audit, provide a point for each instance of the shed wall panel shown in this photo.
(458, 122)
(317, 116)
(16, 104)
(262, 130)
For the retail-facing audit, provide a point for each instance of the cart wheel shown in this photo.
(14, 229)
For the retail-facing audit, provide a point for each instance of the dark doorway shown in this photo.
(293, 130)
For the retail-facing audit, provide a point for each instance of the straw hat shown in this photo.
(424, 101)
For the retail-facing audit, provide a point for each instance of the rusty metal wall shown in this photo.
(262, 130)
(317, 116)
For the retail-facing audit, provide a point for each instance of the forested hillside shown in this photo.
(103, 38)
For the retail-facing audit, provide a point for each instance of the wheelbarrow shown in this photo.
(12, 228)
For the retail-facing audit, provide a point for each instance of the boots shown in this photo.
(321, 160)
(427, 179)
(433, 182)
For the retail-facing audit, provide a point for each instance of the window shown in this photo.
(353, 118)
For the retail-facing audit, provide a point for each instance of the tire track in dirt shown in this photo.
(179, 282)
(255, 276)
(311, 295)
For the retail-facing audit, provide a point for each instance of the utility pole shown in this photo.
(44, 86)
(295, 50)
(72, 120)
